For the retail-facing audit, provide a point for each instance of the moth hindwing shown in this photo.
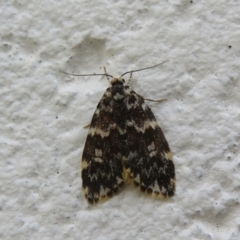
(125, 142)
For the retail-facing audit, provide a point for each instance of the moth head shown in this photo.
(117, 88)
(117, 80)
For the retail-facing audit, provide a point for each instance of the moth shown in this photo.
(125, 143)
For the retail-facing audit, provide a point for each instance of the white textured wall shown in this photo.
(43, 113)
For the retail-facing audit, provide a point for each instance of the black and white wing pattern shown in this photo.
(148, 162)
(102, 168)
(125, 142)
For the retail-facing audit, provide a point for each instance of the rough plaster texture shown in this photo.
(43, 113)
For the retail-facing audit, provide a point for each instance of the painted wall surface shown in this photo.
(44, 111)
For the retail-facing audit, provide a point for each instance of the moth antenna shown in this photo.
(130, 78)
(85, 75)
(105, 71)
(143, 68)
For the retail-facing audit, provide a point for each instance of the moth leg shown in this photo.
(158, 100)
(87, 126)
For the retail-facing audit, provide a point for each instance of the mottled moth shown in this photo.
(125, 143)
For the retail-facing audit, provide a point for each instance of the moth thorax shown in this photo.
(118, 91)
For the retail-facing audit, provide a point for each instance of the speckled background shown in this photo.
(43, 114)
